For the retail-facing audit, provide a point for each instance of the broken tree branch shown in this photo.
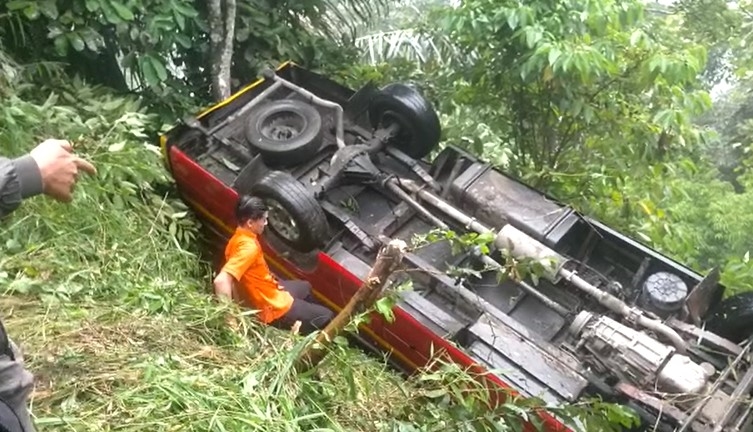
(387, 260)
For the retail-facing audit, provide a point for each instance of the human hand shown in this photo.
(59, 168)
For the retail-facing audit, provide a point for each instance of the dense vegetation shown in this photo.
(606, 104)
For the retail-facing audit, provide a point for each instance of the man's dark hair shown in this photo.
(249, 208)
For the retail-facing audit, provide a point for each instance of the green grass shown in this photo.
(101, 367)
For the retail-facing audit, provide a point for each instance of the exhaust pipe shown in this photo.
(339, 131)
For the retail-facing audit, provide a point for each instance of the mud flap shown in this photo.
(254, 171)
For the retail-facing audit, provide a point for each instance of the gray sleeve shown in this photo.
(20, 178)
(16, 385)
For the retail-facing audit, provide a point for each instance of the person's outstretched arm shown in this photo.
(51, 168)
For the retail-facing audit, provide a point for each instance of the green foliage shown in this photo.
(160, 48)
(716, 25)
(685, 211)
(458, 400)
(566, 82)
(56, 252)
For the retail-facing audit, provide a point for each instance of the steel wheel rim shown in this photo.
(283, 126)
(282, 222)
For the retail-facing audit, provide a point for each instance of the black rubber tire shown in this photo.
(299, 204)
(732, 318)
(267, 125)
(420, 130)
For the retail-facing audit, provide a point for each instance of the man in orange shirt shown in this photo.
(246, 276)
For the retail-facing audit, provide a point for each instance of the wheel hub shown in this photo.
(283, 126)
(281, 221)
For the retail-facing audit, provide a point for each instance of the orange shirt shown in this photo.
(245, 262)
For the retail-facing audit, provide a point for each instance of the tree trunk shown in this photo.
(221, 35)
(388, 259)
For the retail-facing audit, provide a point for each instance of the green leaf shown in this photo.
(76, 42)
(114, 148)
(636, 37)
(111, 15)
(122, 11)
(61, 45)
(588, 114)
(92, 5)
(31, 11)
(148, 71)
(512, 19)
(159, 68)
(185, 9)
(485, 238)
(554, 54)
(532, 35)
(183, 40)
(384, 307)
(49, 9)
(517, 410)
(179, 19)
(15, 5)
(435, 393)
(13, 246)
(91, 39)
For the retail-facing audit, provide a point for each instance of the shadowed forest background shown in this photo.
(636, 113)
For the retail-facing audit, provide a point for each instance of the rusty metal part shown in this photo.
(697, 302)
(741, 391)
(722, 376)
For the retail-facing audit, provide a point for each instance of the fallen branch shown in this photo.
(387, 260)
